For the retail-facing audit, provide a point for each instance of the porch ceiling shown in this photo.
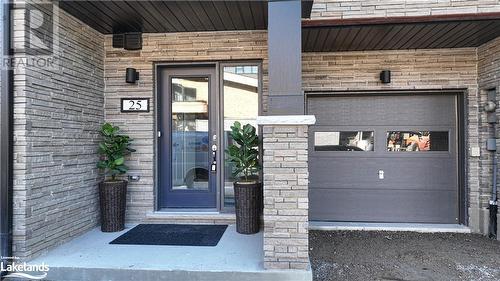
(428, 32)
(152, 16)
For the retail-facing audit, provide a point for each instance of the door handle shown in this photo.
(381, 174)
(213, 166)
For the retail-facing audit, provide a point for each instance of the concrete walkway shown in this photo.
(91, 257)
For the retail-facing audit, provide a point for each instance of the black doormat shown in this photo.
(172, 234)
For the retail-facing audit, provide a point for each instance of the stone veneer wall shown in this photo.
(286, 200)
(488, 78)
(57, 112)
(411, 69)
(173, 47)
(395, 8)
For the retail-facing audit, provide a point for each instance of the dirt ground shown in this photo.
(355, 255)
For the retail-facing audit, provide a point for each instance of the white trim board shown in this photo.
(286, 120)
(414, 227)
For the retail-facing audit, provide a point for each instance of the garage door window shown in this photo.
(417, 141)
(343, 141)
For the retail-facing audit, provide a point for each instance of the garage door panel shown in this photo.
(382, 186)
(398, 173)
(383, 206)
(356, 133)
(384, 110)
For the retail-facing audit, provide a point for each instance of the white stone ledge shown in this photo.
(286, 120)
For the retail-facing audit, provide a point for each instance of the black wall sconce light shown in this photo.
(385, 76)
(131, 75)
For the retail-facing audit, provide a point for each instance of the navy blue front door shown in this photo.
(187, 138)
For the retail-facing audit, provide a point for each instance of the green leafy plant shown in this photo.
(244, 153)
(113, 150)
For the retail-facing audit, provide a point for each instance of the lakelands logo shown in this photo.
(23, 270)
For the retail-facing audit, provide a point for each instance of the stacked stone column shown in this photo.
(286, 180)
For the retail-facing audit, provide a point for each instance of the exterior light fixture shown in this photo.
(385, 76)
(131, 75)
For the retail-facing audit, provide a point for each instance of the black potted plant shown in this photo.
(112, 190)
(247, 187)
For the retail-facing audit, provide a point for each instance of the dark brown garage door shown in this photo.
(387, 158)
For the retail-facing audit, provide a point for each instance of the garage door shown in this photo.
(387, 158)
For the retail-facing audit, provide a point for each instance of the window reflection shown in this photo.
(343, 141)
(190, 140)
(241, 103)
(417, 141)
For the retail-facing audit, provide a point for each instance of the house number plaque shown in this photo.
(135, 105)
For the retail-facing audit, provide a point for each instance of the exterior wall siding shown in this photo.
(489, 64)
(411, 69)
(394, 8)
(173, 47)
(57, 113)
(488, 78)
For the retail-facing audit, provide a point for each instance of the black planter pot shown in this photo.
(248, 206)
(112, 198)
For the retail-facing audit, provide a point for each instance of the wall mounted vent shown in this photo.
(118, 40)
(133, 41)
(128, 41)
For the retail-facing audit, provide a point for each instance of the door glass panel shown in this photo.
(417, 141)
(343, 141)
(190, 133)
(241, 103)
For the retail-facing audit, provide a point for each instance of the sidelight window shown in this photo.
(240, 103)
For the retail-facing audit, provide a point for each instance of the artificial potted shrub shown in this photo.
(113, 190)
(247, 187)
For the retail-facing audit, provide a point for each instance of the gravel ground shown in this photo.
(355, 255)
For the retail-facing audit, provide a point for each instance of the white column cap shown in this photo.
(286, 120)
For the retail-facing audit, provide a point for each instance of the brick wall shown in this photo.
(411, 69)
(394, 8)
(174, 47)
(488, 78)
(57, 112)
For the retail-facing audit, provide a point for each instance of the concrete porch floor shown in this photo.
(91, 257)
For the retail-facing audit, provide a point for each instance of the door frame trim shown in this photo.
(157, 67)
(462, 134)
